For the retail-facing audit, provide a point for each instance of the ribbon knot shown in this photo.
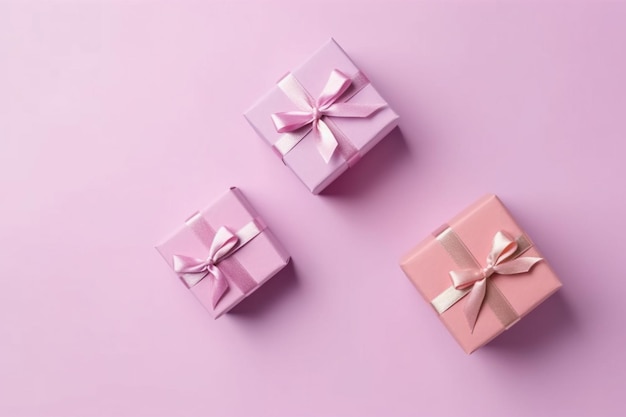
(488, 271)
(193, 270)
(313, 111)
(503, 260)
(317, 114)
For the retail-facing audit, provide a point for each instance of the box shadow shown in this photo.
(548, 324)
(371, 171)
(268, 295)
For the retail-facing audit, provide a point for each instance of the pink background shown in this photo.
(119, 119)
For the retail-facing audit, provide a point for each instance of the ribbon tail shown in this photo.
(474, 302)
(219, 286)
(352, 109)
(517, 266)
(327, 143)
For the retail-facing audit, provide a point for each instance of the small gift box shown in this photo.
(480, 272)
(322, 117)
(224, 253)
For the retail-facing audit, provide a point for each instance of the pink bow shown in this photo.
(312, 110)
(223, 244)
(501, 260)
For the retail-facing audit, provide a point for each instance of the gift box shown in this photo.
(224, 252)
(322, 117)
(480, 272)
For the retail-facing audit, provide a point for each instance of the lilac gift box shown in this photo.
(224, 252)
(302, 125)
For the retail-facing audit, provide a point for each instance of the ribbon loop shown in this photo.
(291, 121)
(223, 243)
(311, 112)
(337, 84)
(502, 248)
(466, 278)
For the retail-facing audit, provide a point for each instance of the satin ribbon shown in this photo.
(472, 280)
(218, 266)
(314, 114)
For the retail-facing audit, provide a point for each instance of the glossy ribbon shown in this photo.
(218, 266)
(504, 258)
(314, 115)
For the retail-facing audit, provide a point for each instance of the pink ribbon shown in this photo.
(313, 111)
(224, 243)
(501, 260)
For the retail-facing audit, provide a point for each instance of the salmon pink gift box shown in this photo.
(322, 117)
(480, 272)
(224, 252)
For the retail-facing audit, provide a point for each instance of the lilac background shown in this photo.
(119, 119)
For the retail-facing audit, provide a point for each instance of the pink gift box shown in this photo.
(253, 257)
(356, 135)
(451, 268)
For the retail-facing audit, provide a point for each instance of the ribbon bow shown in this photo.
(311, 111)
(501, 260)
(193, 270)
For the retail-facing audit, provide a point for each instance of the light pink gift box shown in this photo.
(461, 249)
(356, 135)
(256, 253)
